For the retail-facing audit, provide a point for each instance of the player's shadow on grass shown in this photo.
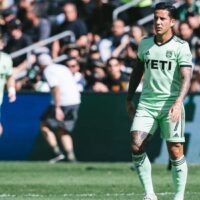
(41, 150)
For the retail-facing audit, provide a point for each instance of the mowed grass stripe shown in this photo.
(40, 180)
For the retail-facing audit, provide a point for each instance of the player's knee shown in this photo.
(44, 129)
(176, 151)
(137, 142)
(136, 149)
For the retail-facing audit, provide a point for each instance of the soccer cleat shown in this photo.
(177, 198)
(57, 159)
(71, 157)
(150, 197)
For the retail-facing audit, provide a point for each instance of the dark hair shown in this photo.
(167, 6)
(14, 24)
(112, 58)
(71, 58)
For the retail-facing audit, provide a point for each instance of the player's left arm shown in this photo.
(175, 110)
(10, 80)
(184, 59)
(186, 75)
(11, 88)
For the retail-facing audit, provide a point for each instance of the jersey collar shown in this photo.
(163, 43)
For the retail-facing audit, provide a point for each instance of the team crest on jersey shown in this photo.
(169, 54)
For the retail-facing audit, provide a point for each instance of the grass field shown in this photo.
(86, 181)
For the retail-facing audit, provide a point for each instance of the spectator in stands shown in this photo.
(16, 41)
(61, 115)
(34, 79)
(39, 28)
(115, 81)
(197, 54)
(96, 77)
(22, 8)
(194, 21)
(186, 33)
(136, 34)
(195, 82)
(74, 51)
(71, 23)
(130, 54)
(115, 43)
(74, 67)
(7, 16)
(93, 56)
(189, 6)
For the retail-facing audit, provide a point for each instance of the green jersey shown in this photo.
(162, 79)
(6, 68)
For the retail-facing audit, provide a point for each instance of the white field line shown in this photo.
(90, 194)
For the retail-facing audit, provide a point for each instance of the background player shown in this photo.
(166, 63)
(61, 115)
(6, 77)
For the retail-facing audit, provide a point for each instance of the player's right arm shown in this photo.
(52, 80)
(134, 81)
(56, 95)
(11, 88)
(10, 80)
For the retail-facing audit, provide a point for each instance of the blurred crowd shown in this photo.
(102, 52)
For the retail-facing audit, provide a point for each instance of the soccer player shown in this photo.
(62, 114)
(166, 62)
(6, 77)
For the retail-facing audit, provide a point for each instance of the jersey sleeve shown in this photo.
(140, 54)
(184, 56)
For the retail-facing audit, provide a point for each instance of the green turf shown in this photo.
(86, 181)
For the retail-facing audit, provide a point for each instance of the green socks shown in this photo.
(143, 168)
(179, 175)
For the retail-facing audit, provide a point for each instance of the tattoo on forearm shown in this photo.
(185, 84)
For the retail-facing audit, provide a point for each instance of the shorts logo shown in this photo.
(169, 54)
(176, 127)
(176, 135)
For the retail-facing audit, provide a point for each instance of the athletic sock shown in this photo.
(71, 156)
(143, 168)
(179, 175)
(56, 150)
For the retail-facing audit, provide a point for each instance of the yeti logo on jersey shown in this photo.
(169, 54)
(158, 64)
